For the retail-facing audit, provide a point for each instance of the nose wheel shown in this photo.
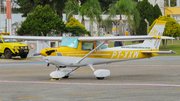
(65, 77)
(61, 73)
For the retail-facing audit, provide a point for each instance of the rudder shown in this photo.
(157, 29)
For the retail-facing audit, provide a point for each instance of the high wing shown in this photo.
(34, 38)
(120, 38)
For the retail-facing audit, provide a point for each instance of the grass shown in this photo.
(175, 46)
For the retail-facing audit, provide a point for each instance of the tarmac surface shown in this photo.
(155, 79)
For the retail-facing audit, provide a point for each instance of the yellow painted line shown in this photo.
(178, 89)
(29, 73)
(86, 93)
(83, 71)
(144, 75)
(171, 92)
(139, 91)
(30, 97)
(90, 98)
(149, 68)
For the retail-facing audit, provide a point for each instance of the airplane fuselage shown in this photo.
(66, 56)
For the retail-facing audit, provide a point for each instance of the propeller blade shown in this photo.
(49, 52)
(36, 54)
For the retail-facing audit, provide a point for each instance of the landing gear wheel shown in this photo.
(7, 54)
(100, 78)
(65, 77)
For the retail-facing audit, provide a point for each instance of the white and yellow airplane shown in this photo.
(89, 51)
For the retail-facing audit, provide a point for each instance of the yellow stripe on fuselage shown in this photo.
(116, 54)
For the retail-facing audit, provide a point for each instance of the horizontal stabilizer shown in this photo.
(160, 52)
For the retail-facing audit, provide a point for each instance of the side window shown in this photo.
(104, 46)
(1, 40)
(87, 46)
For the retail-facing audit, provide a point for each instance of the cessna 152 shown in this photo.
(89, 51)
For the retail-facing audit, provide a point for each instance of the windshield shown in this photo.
(10, 40)
(70, 42)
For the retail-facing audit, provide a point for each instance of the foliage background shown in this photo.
(76, 28)
(172, 27)
(41, 22)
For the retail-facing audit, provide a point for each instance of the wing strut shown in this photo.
(90, 52)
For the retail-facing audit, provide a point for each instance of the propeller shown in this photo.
(45, 53)
(49, 52)
(36, 54)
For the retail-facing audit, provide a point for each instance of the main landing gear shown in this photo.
(66, 72)
(100, 73)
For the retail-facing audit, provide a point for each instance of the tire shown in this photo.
(0, 55)
(100, 78)
(23, 56)
(65, 77)
(8, 54)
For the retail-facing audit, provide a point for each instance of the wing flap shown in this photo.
(160, 52)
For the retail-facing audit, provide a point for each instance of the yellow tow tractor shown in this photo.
(11, 47)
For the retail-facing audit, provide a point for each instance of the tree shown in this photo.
(172, 27)
(91, 9)
(124, 7)
(71, 8)
(157, 11)
(146, 12)
(172, 2)
(75, 27)
(58, 6)
(41, 22)
(28, 6)
(105, 4)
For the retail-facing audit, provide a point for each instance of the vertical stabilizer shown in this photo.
(157, 29)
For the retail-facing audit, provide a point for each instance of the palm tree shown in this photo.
(124, 7)
(91, 9)
(71, 8)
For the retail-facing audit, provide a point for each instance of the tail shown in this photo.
(157, 29)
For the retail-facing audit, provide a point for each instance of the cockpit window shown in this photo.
(70, 42)
(10, 40)
(87, 46)
(104, 46)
